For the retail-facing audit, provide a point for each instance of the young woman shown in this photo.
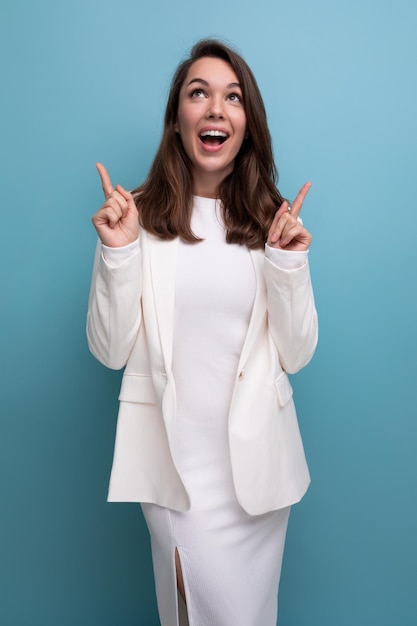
(208, 320)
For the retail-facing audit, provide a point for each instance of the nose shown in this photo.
(214, 114)
(215, 109)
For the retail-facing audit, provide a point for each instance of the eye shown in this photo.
(197, 93)
(235, 97)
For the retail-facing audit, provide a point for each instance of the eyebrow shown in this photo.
(204, 82)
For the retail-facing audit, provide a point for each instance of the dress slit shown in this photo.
(179, 575)
(183, 603)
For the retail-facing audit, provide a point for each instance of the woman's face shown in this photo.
(211, 122)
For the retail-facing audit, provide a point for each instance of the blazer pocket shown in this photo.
(284, 389)
(137, 388)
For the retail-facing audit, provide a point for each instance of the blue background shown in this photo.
(86, 80)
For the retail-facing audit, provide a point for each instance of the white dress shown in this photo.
(231, 561)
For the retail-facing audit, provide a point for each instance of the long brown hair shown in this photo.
(249, 194)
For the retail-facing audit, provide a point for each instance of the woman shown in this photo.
(208, 320)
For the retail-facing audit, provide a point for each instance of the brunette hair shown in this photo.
(249, 194)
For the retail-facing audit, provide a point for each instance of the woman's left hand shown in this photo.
(286, 232)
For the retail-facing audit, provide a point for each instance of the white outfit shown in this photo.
(207, 435)
(230, 560)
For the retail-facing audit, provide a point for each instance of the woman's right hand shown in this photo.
(117, 221)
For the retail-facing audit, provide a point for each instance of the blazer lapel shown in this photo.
(259, 306)
(163, 264)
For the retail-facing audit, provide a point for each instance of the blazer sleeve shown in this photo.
(292, 315)
(114, 309)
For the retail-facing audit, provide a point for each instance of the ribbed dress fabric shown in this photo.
(231, 561)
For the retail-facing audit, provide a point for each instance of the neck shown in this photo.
(206, 184)
(205, 189)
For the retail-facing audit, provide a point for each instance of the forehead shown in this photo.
(212, 70)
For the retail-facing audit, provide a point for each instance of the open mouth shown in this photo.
(213, 137)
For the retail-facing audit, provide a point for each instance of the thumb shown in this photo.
(123, 192)
(282, 209)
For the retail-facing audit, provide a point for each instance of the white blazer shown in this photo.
(130, 323)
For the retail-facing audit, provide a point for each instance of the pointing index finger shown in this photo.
(105, 180)
(298, 202)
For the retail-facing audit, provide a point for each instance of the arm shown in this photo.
(114, 311)
(292, 315)
(114, 307)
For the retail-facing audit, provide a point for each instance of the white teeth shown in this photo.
(213, 133)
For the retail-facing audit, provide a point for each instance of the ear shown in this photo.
(177, 130)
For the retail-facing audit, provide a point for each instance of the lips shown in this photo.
(213, 136)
